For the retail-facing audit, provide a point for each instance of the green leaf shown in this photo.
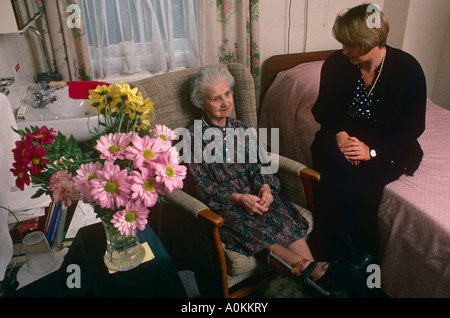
(71, 149)
(38, 193)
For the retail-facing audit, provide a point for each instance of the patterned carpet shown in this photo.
(287, 287)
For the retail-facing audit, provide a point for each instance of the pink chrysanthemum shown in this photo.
(111, 187)
(63, 187)
(145, 150)
(85, 174)
(170, 172)
(133, 216)
(164, 132)
(113, 146)
(144, 187)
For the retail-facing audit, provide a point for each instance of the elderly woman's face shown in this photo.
(218, 102)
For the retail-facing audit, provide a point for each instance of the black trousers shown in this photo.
(347, 200)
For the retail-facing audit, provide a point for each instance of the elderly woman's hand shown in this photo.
(265, 194)
(250, 203)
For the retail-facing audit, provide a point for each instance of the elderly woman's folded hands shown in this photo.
(254, 204)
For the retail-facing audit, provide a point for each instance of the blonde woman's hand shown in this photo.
(355, 151)
(341, 138)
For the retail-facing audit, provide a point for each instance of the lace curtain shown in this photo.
(128, 36)
(229, 33)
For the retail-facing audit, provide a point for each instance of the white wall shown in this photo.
(425, 35)
(16, 61)
(275, 29)
(441, 92)
(293, 26)
(420, 27)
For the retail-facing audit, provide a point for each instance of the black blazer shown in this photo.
(398, 111)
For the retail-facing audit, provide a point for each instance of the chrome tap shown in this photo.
(40, 102)
(6, 81)
(44, 90)
(4, 90)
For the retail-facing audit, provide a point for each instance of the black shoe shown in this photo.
(338, 275)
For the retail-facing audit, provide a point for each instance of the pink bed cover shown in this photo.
(414, 219)
(414, 215)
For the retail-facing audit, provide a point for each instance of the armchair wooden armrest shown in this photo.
(309, 176)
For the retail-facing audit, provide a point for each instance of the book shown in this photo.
(49, 219)
(40, 223)
(60, 227)
(54, 223)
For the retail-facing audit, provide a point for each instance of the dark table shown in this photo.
(157, 278)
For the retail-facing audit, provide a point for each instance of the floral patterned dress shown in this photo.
(216, 182)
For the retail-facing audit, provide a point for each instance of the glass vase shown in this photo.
(123, 252)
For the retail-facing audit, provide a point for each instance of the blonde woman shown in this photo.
(371, 108)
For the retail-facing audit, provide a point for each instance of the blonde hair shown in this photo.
(353, 28)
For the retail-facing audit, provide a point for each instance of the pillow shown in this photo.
(287, 106)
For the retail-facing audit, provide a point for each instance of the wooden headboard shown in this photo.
(278, 63)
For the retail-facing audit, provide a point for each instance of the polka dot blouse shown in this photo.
(362, 104)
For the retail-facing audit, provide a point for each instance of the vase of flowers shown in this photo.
(130, 177)
(123, 252)
(126, 174)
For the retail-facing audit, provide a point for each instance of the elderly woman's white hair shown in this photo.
(204, 79)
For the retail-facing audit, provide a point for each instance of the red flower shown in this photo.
(34, 159)
(21, 147)
(42, 136)
(21, 173)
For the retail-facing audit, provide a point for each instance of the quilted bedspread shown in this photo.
(414, 219)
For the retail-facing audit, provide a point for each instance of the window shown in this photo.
(129, 36)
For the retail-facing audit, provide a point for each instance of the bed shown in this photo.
(414, 214)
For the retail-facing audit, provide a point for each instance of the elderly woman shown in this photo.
(257, 216)
(371, 108)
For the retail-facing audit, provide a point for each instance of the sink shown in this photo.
(66, 115)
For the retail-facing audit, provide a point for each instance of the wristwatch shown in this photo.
(373, 153)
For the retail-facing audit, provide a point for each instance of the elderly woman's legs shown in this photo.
(295, 253)
(330, 278)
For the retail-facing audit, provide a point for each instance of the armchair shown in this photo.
(189, 230)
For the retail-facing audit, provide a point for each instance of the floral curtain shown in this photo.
(65, 41)
(229, 33)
